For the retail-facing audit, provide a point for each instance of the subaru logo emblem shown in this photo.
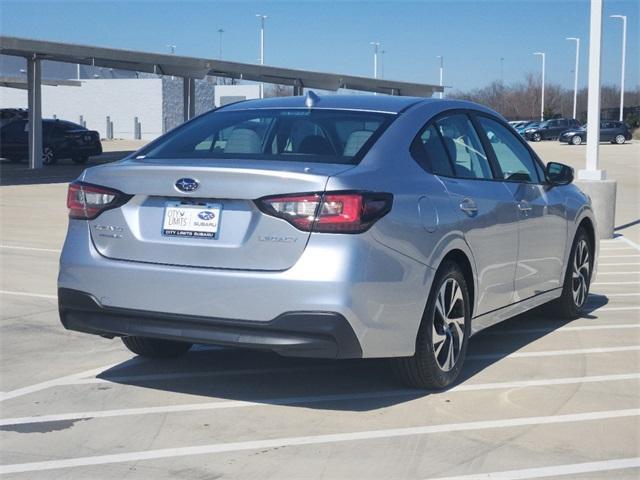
(187, 185)
(207, 215)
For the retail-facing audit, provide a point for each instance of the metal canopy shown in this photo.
(16, 82)
(192, 67)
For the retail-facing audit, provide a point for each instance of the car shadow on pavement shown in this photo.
(345, 385)
(62, 172)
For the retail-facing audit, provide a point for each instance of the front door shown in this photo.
(542, 223)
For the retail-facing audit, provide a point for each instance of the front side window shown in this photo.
(301, 135)
(515, 161)
(461, 141)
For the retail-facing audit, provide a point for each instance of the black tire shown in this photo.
(619, 139)
(424, 369)
(155, 347)
(80, 160)
(537, 137)
(567, 306)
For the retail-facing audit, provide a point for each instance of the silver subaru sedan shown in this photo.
(330, 227)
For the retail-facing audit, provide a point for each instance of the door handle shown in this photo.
(524, 206)
(469, 207)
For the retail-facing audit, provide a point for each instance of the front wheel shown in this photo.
(537, 137)
(619, 139)
(441, 344)
(576, 140)
(156, 347)
(577, 279)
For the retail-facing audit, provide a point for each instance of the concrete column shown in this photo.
(34, 96)
(592, 180)
(189, 97)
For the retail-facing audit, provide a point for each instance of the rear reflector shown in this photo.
(86, 201)
(330, 212)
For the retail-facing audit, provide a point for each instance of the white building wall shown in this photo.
(121, 99)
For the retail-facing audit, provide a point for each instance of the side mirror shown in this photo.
(558, 173)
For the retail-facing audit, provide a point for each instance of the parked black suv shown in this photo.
(60, 139)
(610, 131)
(550, 129)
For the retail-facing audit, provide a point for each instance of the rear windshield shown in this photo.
(299, 135)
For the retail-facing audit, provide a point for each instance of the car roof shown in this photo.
(377, 103)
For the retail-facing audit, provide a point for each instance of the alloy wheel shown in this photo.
(47, 155)
(537, 137)
(619, 139)
(576, 140)
(448, 324)
(581, 272)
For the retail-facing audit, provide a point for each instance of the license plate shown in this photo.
(199, 221)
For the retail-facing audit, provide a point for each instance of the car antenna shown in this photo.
(311, 99)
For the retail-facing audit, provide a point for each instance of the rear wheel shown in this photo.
(155, 347)
(48, 156)
(619, 139)
(443, 336)
(576, 140)
(577, 279)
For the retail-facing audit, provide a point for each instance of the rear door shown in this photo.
(486, 211)
(542, 222)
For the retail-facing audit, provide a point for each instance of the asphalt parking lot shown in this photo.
(539, 397)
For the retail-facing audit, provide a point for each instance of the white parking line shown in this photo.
(553, 471)
(553, 353)
(25, 294)
(309, 399)
(53, 382)
(628, 294)
(576, 328)
(614, 309)
(634, 282)
(315, 440)
(630, 243)
(619, 273)
(619, 256)
(35, 249)
(617, 264)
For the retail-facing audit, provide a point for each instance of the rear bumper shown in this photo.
(304, 334)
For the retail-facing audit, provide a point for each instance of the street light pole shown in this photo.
(441, 72)
(262, 19)
(575, 77)
(376, 45)
(544, 57)
(172, 49)
(382, 63)
(220, 32)
(624, 48)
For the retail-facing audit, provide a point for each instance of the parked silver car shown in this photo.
(335, 227)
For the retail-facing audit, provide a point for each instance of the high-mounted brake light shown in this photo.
(330, 212)
(86, 201)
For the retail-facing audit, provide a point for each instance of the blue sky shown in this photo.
(334, 35)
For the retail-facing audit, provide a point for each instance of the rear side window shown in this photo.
(300, 135)
(429, 151)
(465, 150)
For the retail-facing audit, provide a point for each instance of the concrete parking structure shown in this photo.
(539, 397)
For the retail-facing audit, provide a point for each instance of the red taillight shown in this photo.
(86, 201)
(331, 212)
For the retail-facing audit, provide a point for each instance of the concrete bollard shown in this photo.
(603, 202)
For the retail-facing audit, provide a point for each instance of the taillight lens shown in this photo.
(331, 212)
(86, 201)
